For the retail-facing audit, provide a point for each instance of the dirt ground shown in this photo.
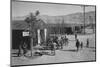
(67, 54)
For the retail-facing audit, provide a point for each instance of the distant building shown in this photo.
(18, 26)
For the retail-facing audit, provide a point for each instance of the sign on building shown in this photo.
(25, 33)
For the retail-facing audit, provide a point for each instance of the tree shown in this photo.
(31, 20)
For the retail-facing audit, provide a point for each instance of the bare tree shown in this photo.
(31, 20)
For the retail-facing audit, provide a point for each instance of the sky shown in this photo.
(24, 8)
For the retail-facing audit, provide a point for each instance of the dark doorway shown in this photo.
(17, 38)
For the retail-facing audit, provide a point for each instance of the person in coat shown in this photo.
(77, 44)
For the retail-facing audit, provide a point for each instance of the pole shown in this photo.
(39, 39)
(45, 33)
(84, 17)
(31, 46)
(31, 38)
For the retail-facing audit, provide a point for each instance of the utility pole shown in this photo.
(84, 17)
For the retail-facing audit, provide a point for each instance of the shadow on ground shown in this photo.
(73, 50)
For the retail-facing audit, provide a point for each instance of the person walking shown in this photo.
(52, 48)
(24, 47)
(81, 45)
(75, 36)
(77, 44)
(20, 49)
(87, 44)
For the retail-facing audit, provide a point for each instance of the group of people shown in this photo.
(80, 43)
(54, 43)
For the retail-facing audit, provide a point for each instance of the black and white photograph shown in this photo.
(52, 33)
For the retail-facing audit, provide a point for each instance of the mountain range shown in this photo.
(75, 18)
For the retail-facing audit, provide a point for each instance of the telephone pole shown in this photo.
(84, 17)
